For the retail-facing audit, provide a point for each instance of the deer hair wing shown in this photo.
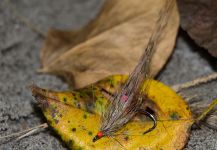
(125, 103)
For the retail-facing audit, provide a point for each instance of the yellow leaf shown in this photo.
(110, 44)
(77, 124)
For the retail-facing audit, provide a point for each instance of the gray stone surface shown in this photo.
(19, 58)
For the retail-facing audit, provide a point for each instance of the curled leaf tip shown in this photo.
(36, 90)
(39, 95)
(32, 87)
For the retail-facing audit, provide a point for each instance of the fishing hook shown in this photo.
(152, 117)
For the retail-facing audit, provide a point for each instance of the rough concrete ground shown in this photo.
(19, 58)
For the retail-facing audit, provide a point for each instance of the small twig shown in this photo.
(206, 111)
(195, 82)
(26, 132)
(23, 19)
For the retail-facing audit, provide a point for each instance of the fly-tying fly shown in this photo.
(127, 103)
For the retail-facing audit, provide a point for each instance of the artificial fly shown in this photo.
(127, 103)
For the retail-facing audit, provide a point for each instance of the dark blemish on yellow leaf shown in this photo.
(89, 106)
(53, 111)
(61, 115)
(68, 121)
(65, 99)
(71, 142)
(73, 129)
(53, 114)
(79, 106)
(174, 116)
(111, 83)
(56, 121)
(85, 116)
(83, 94)
(100, 102)
(126, 138)
(90, 133)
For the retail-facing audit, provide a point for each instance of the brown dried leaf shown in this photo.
(110, 44)
(199, 19)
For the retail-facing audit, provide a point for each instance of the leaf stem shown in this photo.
(198, 81)
(206, 111)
